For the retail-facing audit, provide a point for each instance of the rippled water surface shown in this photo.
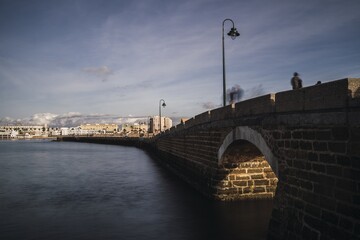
(62, 190)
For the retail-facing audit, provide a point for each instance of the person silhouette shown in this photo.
(296, 81)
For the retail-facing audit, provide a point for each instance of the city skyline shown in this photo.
(120, 58)
(74, 119)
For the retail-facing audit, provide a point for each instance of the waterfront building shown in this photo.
(24, 130)
(166, 123)
(134, 129)
(64, 131)
(100, 127)
(54, 131)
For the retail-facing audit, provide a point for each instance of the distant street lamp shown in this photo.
(233, 34)
(161, 105)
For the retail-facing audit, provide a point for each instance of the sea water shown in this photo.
(64, 190)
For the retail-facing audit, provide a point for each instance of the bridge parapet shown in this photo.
(324, 96)
(339, 94)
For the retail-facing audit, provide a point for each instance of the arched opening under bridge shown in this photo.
(249, 165)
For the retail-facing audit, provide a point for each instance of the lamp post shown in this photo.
(233, 34)
(161, 105)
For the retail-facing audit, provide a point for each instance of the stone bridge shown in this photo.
(300, 147)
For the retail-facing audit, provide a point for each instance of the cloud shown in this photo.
(209, 105)
(256, 91)
(102, 72)
(70, 119)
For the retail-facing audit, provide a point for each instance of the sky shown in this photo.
(120, 57)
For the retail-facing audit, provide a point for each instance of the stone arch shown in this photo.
(252, 136)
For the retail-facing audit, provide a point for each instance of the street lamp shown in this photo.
(161, 105)
(233, 34)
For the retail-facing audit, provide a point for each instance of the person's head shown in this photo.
(296, 74)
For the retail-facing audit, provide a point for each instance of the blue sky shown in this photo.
(121, 57)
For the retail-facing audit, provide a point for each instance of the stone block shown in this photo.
(334, 170)
(337, 147)
(240, 183)
(254, 170)
(323, 135)
(344, 184)
(313, 210)
(306, 185)
(314, 222)
(289, 101)
(231, 177)
(261, 182)
(330, 217)
(202, 118)
(355, 133)
(324, 189)
(305, 145)
(327, 158)
(259, 190)
(222, 113)
(258, 105)
(320, 146)
(309, 234)
(309, 135)
(348, 210)
(257, 176)
(343, 160)
(189, 123)
(179, 127)
(328, 95)
(297, 135)
(340, 133)
(242, 177)
(342, 195)
(319, 168)
(346, 224)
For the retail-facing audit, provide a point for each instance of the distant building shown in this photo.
(134, 129)
(27, 130)
(166, 123)
(14, 134)
(100, 127)
(64, 131)
(54, 131)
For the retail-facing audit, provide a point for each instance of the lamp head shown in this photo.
(233, 33)
(164, 105)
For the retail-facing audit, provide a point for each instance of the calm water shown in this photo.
(61, 190)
